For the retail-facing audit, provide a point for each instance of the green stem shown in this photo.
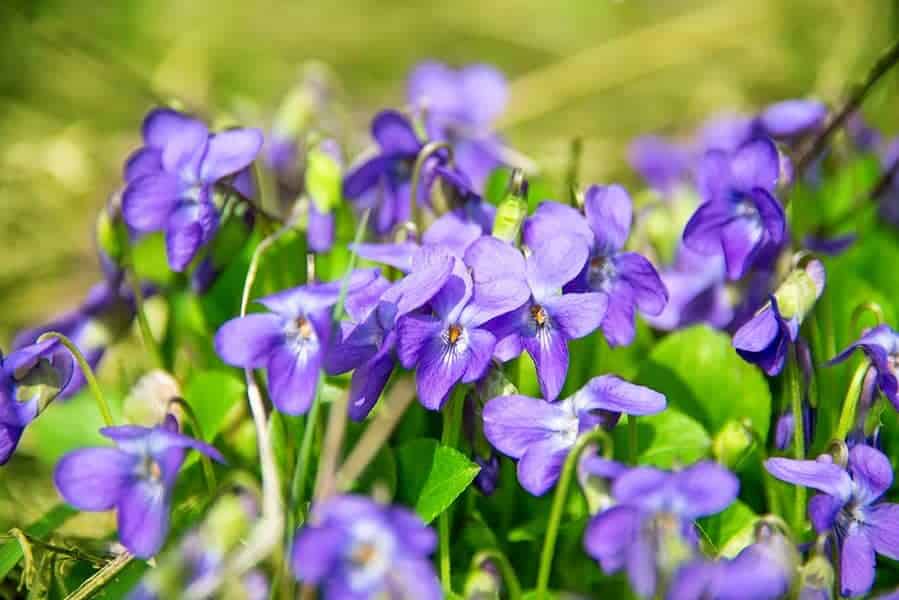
(301, 466)
(632, 438)
(794, 393)
(86, 370)
(191, 416)
(143, 324)
(850, 402)
(452, 424)
(101, 577)
(505, 567)
(558, 506)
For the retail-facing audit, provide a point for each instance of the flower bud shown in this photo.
(324, 174)
(109, 239)
(226, 524)
(149, 400)
(733, 443)
(797, 295)
(816, 578)
(511, 212)
(483, 582)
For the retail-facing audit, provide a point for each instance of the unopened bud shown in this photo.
(511, 212)
(797, 295)
(149, 401)
(816, 578)
(733, 443)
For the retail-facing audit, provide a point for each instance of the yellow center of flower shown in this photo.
(363, 554)
(597, 262)
(454, 333)
(539, 314)
(304, 327)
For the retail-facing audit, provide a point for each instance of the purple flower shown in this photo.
(627, 280)
(540, 434)
(460, 107)
(697, 293)
(353, 547)
(451, 345)
(790, 119)
(30, 378)
(881, 345)
(848, 507)
(545, 323)
(756, 573)
(663, 165)
(289, 341)
(169, 180)
(739, 217)
(383, 182)
(652, 522)
(137, 478)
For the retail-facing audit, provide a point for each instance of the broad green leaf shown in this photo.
(150, 262)
(730, 530)
(212, 394)
(67, 425)
(665, 440)
(430, 476)
(702, 375)
(11, 552)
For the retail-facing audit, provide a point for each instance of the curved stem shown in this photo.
(505, 567)
(452, 424)
(850, 402)
(86, 370)
(793, 389)
(208, 472)
(424, 154)
(558, 506)
(101, 577)
(867, 307)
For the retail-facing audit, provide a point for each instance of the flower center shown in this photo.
(453, 334)
(151, 469)
(538, 313)
(363, 554)
(600, 272)
(304, 327)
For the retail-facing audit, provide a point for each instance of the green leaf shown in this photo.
(730, 530)
(66, 426)
(702, 375)
(430, 476)
(150, 262)
(665, 440)
(211, 395)
(11, 552)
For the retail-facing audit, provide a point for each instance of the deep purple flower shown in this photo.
(881, 345)
(459, 107)
(663, 165)
(169, 180)
(739, 217)
(137, 478)
(451, 345)
(540, 434)
(627, 280)
(652, 523)
(289, 341)
(549, 319)
(352, 547)
(849, 508)
(30, 378)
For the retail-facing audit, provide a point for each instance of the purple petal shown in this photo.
(320, 229)
(706, 488)
(823, 510)
(163, 441)
(143, 161)
(440, 367)
(435, 87)
(394, 133)
(397, 255)
(449, 302)
(365, 176)
(248, 341)
(871, 472)
(94, 478)
(499, 285)
(148, 201)
(740, 241)
(638, 484)
(143, 516)
(480, 348)
(792, 117)
(183, 236)
(368, 382)
(229, 152)
(756, 164)
(609, 534)
(316, 297)
(661, 164)
(713, 177)
(758, 333)
(541, 464)
(772, 214)
(576, 315)
(883, 529)
(641, 566)
(485, 93)
(452, 232)
(162, 125)
(610, 392)
(877, 343)
(609, 211)
(316, 552)
(420, 286)
(618, 323)
(549, 219)
(818, 474)
(648, 290)
(414, 333)
(293, 378)
(549, 351)
(414, 578)
(512, 424)
(554, 263)
(856, 564)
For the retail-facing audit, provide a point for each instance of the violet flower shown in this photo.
(289, 341)
(137, 478)
(662, 164)
(30, 378)
(740, 217)
(650, 531)
(549, 319)
(849, 508)
(352, 547)
(540, 434)
(751, 575)
(169, 180)
(791, 119)
(452, 344)
(459, 107)
(626, 279)
(881, 345)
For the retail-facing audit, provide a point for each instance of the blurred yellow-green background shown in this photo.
(78, 76)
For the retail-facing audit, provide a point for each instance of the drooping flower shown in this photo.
(740, 217)
(30, 378)
(452, 344)
(352, 547)
(137, 478)
(549, 319)
(765, 339)
(540, 434)
(460, 107)
(881, 345)
(849, 507)
(169, 181)
(650, 531)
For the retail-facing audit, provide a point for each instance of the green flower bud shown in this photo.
(733, 443)
(816, 574)
(323, 179)
(511, 212)
(109, 238)
(798, 293)
(147, 403)
(483, 583)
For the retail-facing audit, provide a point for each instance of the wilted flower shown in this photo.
(352, 547)
(540, 434)
(137, 478)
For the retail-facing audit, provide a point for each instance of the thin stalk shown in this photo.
(143, 324)
(632, 438)
(850, 402)
(505, 568)
(92, 383)
(558, 506)
(301, 466)
(452, 424)
(793, 389)
(191, 416)
(101, 577)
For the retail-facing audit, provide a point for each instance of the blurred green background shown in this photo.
(77, 77)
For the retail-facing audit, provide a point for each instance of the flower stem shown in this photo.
(558, 506)
(452, 423)
(512, 584)
(146, 334)
(793, 389)
(101, 577)
(632, 438)
(87, 371)
(191, 416)
(850, 402)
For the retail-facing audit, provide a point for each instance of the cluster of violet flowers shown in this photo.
(457, 291)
